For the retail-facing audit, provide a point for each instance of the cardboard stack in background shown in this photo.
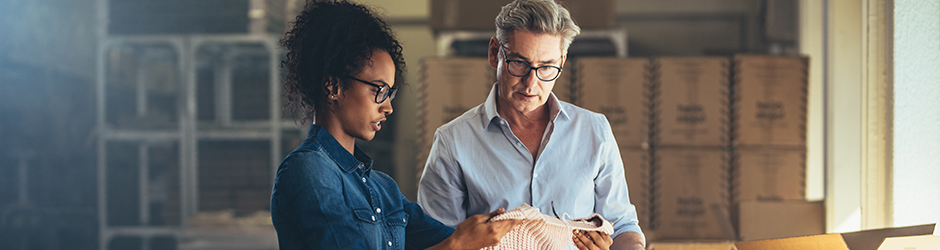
(708, 144)
(619, 89)
(769, 146)
(690, 156)
(449, 87)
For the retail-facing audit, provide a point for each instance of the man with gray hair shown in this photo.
(523, 145)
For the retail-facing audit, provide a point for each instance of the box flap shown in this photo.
(922, 242)
(870, 239)
(814, 242)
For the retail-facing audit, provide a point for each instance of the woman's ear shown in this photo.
(333, 89)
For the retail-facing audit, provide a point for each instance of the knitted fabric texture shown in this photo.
(541, 231)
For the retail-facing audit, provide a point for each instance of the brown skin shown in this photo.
(353, 114)
(475, 232)
(521, 101)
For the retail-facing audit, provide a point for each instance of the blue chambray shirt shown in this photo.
(477, 165)
(326, 198)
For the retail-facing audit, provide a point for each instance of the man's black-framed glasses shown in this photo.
(521, 68)
(384, 92)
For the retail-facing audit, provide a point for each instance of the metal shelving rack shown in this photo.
(181, 52)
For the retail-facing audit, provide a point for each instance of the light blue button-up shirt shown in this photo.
(477, 165)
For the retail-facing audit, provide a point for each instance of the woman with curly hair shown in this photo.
(343, 70)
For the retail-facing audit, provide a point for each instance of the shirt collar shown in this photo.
(347, 162)
(555, 109)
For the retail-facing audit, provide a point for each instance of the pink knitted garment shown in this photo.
(541, 231)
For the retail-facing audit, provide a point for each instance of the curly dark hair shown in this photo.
(328, 42)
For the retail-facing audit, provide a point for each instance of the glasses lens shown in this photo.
(547, 73)
(391, 94)
(518, 68)
(385, 93)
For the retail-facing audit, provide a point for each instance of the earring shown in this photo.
(332, 97)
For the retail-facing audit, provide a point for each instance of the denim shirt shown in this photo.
(326, 198)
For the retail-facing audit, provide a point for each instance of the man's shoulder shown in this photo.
(463, 122)
(578, 114)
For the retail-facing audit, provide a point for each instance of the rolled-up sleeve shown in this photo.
(611, 196)
(423, 231)
(441, 190)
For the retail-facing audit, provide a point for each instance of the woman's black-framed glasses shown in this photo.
(521, 68)
(384, 92)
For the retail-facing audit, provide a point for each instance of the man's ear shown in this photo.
(493, 52)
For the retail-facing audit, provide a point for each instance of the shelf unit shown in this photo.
(136, 72)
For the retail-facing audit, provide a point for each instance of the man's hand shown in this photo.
(478, 232)
(591, 240)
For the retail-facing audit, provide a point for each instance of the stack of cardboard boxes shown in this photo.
(704, 152)
(619, 89)
(769, 148)
(690, 148)
(449, 87)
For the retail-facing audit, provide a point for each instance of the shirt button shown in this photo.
(363, 179)
(389, 243)
(535, 176)
(403, 220)
(373, 218)
(378, 210)
(538, 210)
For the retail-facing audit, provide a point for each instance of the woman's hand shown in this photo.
(478, 232)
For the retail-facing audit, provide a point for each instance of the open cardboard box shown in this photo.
(860, 240)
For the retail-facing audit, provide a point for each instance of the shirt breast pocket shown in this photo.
(369, 225)
(397, 221)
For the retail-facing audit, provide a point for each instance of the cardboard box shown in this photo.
(450, 87)
(770, 100)
(693, 100)
(617, 88)
(481, 14)
(688, 185)
(871, 239)
(758, 220)
(637, 172)
(814, 242)
(921, 242)
(724, 245)
(769, 174)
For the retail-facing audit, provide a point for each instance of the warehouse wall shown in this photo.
(916, 112)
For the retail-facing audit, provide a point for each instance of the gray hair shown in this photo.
(539, 17)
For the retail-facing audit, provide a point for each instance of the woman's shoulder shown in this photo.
(307, 162)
